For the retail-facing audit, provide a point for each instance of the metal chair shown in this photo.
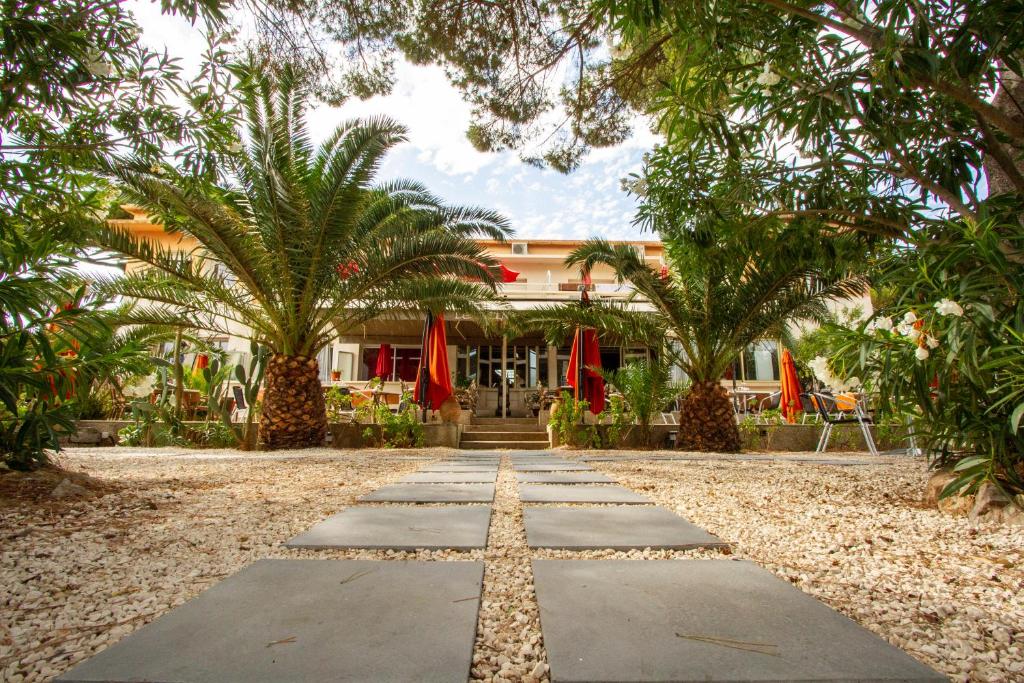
(770, 402)
(241, 409)
(809, 408)
(826, 406)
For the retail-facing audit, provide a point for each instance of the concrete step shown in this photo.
(504, 420)
(492, 445)
(504, 427)
(505, 436)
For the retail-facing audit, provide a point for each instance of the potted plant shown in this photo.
(533, 401)
(335, 375)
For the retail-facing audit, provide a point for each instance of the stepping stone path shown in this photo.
(400, 528)
(618, 528)
(431, 493)
(701, 620)
(601, 620)
(563, 478)
(450, 478)
(284, 621)
(482, 467)
(551, 467)
(557, 493)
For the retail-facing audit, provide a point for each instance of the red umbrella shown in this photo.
(789, 401)
(593, 383)
(507, 274)
(384, 362)
(202, 361)
(439, 379)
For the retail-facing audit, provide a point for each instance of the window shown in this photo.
(404, 363)
(525, 366)
(640, 250)
(520, 249)
(759, 362)
(323, 361)
(344, 364)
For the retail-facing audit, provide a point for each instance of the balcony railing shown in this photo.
(610, 288)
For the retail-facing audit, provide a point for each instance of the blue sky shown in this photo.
(539, 203)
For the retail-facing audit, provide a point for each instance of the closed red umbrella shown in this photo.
(384, 362)
(789, 401)
(593, 383)
(202, 361)
(439, 379)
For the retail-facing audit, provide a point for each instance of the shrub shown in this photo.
(949, 351)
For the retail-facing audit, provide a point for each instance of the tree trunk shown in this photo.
(293, 404)
(1003, 175)
(179, 375)
(707, 421)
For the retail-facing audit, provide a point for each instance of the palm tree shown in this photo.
(298, 244)
(715, 295)
(646, 386)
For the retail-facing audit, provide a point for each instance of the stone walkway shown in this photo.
(601, 620)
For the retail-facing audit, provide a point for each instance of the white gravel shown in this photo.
(86, 573)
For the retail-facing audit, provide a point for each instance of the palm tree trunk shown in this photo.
(707, 421)
(293, 404)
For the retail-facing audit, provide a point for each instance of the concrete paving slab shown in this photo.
(618, 528)
(579, 493)
(284, 621)
(431, 493)
(563, 478)
(442, 467)
(701, 620)
(551, 467)
(450, 478)
(400, 528)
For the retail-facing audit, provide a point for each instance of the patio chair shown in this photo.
(770, 402)
(241, 409)
(827, 410)
(809, 408)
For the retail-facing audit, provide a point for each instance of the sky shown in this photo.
(539, 203)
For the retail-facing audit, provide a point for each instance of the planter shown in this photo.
(350, 435)
(335, 375)
(804, 437)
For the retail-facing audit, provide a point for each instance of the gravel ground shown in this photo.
(859, 538)
(78, 575)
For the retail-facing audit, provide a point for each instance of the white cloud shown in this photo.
(540, 203)
(433, 111)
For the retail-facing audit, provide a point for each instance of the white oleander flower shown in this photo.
(767, 77)
(910, 317)
(932, 342)
(908, 330)
(157, 169)
(949, 307)
(884, 323)
(922, 353)
(95, 64)
(235, 147)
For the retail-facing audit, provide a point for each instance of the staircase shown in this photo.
(489, 433)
